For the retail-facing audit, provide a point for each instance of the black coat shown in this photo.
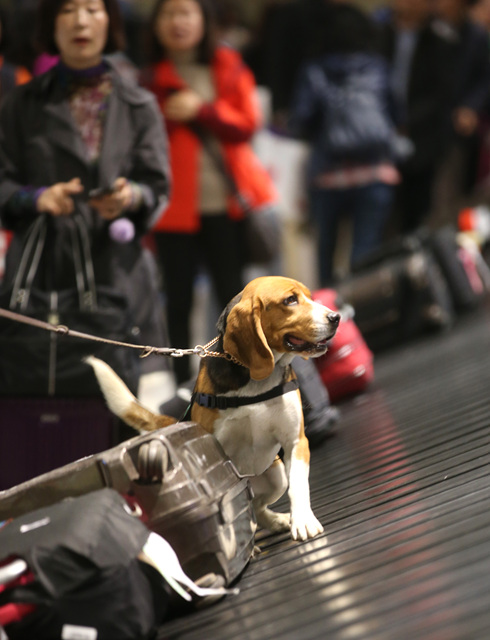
(448, 70)
(40, 146)
(424, 118)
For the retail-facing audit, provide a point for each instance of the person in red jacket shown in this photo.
(204, 90)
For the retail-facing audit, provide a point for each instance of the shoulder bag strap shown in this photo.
(217, 158)
(84, 265)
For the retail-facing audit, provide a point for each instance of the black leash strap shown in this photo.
(66, 331)
(210, 401)
(199, 350)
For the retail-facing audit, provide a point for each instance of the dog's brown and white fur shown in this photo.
(263, 328)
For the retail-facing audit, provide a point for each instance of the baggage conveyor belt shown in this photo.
(403, 491)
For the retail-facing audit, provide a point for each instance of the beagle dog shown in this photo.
(247, 395)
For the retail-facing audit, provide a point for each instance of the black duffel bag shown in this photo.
(36, 362)
(82, 572)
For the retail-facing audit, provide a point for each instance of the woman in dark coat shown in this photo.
(79, 128)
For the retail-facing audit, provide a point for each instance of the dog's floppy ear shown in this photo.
(221, 324)
(244, 337)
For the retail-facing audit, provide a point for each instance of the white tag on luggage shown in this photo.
(74, 632)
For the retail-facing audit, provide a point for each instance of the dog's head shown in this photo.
(275, 315)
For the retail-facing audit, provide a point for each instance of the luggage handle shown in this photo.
(148, 466)
(32, 253)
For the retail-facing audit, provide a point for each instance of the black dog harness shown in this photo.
(210, 401)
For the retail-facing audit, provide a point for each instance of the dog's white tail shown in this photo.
(122, 402)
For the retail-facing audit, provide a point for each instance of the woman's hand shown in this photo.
(183, 105)
(465, 121)
(111, 205)
(57, 200)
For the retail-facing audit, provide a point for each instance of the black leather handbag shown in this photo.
(36, 362)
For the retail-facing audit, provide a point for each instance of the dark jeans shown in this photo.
(369, 207)
(216, 246)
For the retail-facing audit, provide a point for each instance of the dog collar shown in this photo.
(210, 401)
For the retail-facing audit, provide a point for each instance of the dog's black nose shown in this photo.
(333, 317)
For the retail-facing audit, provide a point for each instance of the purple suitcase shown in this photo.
(41, 434)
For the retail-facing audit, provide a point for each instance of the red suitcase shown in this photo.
(41, 434)
(347, 367)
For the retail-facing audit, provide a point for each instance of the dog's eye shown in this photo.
(290, 300)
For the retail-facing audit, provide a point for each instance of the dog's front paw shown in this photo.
(273, 521)
(304, 526)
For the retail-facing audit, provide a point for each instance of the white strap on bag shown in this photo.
(164, 558)
(12, 571)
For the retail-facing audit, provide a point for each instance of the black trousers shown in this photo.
(216, 247)
(415, 197)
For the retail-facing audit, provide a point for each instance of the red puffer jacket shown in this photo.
(233, 118)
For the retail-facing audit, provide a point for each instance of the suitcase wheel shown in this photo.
(152, 461)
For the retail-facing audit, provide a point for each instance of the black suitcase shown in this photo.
(321, 418)
(184, 485)
(40, 434)
(456, 262)
(397, 293)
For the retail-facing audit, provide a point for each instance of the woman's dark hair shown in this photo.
(47, 12)
(156, 51)
(344, 28)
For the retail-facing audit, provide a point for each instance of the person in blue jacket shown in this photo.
(342, 106)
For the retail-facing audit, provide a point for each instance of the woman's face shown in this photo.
(480, 12)
(180, 25)
(452, 11)
(414, 11)
(80, 32)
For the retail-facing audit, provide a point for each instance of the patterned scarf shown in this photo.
(88, 96)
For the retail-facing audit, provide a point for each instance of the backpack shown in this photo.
(356, 126)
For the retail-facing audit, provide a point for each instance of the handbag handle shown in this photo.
(31, 257)
(84, 265)
(32, 253)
